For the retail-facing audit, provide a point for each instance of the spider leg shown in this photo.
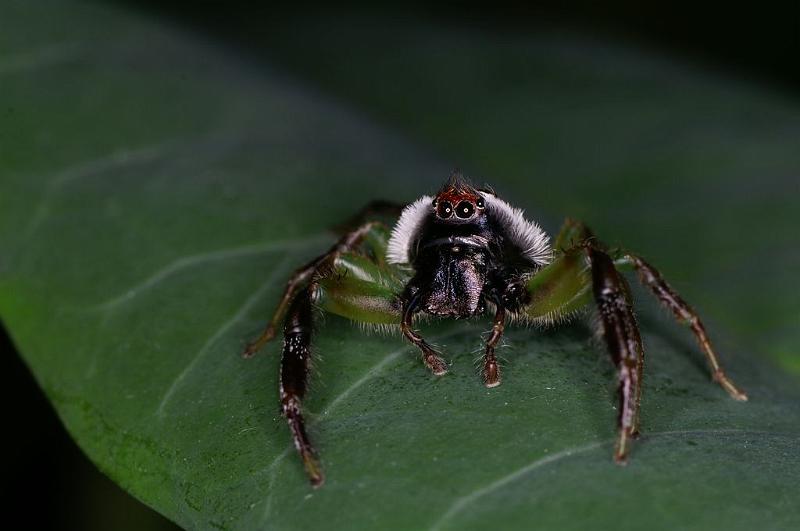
(573, 233)
(582, 268)
(559, 289)
(354, 288)
(429, 355)
(297, 280)
(315, 268)
(623, 341)
(295, 362)
(651, 277)
(491, 370)
(570, 282)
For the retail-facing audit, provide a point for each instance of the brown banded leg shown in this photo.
(623, 341)
(651, 278)
(491, 371)
(301, 277)
(429, 355)
(294, 378)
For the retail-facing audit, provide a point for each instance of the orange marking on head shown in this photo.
(455, 195)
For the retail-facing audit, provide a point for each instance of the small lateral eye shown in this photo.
(479, 203)
(465, 209)
(444, 209)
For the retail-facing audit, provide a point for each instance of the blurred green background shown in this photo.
(433, 102)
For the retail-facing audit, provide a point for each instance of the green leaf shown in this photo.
(157, 189)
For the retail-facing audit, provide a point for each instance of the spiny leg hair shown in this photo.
(295, 361)
(430, 357)
(491, 370)
(651, 277)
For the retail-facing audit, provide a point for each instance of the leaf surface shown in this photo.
(157, 190)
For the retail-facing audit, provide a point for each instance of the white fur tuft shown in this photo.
(406, 228)
(527, 235)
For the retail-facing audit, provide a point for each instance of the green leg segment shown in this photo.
(560, 288)
(372, 236)
(364, 288)
(359, 300)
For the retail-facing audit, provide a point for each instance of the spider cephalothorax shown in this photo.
(448, 250)
(455, 255)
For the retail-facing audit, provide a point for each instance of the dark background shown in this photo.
(759, 41)
(51, 484)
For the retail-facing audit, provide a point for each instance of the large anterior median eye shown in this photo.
(465, 209)
(444, 210)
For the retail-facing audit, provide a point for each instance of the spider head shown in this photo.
(458, 201)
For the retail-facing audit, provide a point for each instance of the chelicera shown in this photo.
(457, 255)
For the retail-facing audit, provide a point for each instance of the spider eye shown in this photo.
(444, 210)
(465, 209)
(479, 203)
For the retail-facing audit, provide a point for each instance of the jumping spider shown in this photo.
(455, 255)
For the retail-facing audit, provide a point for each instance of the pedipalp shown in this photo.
(430, 357)
(491, 369)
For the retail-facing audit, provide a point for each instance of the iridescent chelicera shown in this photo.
(458, 254)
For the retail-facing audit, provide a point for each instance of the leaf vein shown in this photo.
(209, 146)
(464, 501)
(373, 371)
(189, 261)
(222, 330)
(117, 159)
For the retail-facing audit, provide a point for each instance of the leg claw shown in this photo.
(436, 364)
(254, 346)
(728, 385)
(491, 374)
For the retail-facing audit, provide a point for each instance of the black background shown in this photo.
(51, 485)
